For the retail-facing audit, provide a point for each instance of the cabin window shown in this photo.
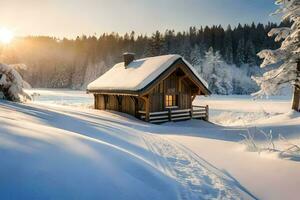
(170, 100)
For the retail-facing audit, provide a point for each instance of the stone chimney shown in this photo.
(128, 58)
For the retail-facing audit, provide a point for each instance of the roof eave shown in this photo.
(114, 92)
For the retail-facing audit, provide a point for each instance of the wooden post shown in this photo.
(169, 114)
(191, 112)
(207, 113)
(136, 107)
(120, 99)
(147, 108)
(296, 99)
(296, 95)
(95, 101)
(105, 100)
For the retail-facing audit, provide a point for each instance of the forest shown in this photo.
(225, 57)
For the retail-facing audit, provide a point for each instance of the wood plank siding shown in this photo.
(173, 85)
(119, 103)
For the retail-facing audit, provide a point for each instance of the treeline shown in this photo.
(72, 63)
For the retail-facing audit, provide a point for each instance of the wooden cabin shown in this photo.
(155, 89)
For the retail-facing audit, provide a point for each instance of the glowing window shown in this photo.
(170, 100)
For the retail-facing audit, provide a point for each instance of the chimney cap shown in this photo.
(128, 58)
(128, 53)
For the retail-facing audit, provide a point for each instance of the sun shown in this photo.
(6, 35)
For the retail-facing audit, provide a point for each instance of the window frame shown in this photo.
(171, 101)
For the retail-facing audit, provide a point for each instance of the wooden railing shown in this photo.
(198, 112)
(142, 115)
(159, 117)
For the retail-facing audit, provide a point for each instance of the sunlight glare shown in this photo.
(6, 35)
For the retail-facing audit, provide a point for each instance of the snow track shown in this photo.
(199, 179)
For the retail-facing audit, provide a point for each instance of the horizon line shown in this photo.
(97, 35)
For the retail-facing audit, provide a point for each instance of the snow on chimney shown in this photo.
(128, 58)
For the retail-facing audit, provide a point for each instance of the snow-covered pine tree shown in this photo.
(196, 56)
(217, 73)
(12, 84)
(286, 59)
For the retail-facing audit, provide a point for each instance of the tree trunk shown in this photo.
(296, 96)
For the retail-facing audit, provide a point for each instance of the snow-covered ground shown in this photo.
(52, 151)
(61, 97)
(235, 110)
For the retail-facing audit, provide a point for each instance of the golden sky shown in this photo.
(69, 18)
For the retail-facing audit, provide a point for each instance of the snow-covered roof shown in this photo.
(138, 74)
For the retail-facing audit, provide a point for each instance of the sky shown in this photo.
(69, 18)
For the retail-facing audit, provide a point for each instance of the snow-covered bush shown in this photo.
(12, 84)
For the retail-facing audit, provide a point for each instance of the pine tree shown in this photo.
(228, 54)
(207, 37)
(185, 49)
(250, 55)
(240, 55)
(156, 44)
(216, 72)
(286, 58)
(197, 55)
(219, 35)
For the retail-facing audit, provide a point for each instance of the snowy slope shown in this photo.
(53, 151)
(59, 152)
(47, 154)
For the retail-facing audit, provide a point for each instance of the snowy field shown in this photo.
(235, 110)
(229, 110)
(61, 97)
(57, 147)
